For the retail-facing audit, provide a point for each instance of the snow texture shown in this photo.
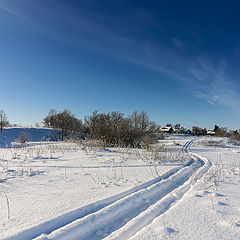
(195, 199)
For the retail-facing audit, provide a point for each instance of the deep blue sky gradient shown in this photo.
(178, 60)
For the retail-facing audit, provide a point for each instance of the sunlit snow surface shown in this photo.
(57, 190)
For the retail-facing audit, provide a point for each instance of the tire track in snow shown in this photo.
(187, 145)
(106, 217)
(51, 225)
(160, 207)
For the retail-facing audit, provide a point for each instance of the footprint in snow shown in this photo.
(206, 192)
(170, 230)
(237, 224)
(219, 195)
(198, 195)
(86, 174)
(222, 203)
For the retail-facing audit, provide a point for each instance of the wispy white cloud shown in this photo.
(215, 87)
(81, 29)
(23, 17)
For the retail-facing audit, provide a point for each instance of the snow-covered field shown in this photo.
(72, 191)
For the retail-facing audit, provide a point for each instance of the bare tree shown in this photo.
(221, 132)
(198, 131)
(177, 126)
(65, 121)
(3, 120)
(115, 130)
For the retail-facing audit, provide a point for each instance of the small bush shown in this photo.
(23, 137)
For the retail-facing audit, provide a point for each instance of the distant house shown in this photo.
(166, 130)
(210, 132)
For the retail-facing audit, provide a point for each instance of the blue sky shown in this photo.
(178, 60)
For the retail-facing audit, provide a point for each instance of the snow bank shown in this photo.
(9, 135)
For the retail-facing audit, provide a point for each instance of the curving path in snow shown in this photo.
(123, 215)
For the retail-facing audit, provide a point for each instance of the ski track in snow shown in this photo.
(123, 215)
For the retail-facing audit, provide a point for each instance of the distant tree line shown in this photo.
(198, 131)
(224, 132)
(218, 132)
(112, 128)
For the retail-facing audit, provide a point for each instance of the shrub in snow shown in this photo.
(23, 137)
(116, 130)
